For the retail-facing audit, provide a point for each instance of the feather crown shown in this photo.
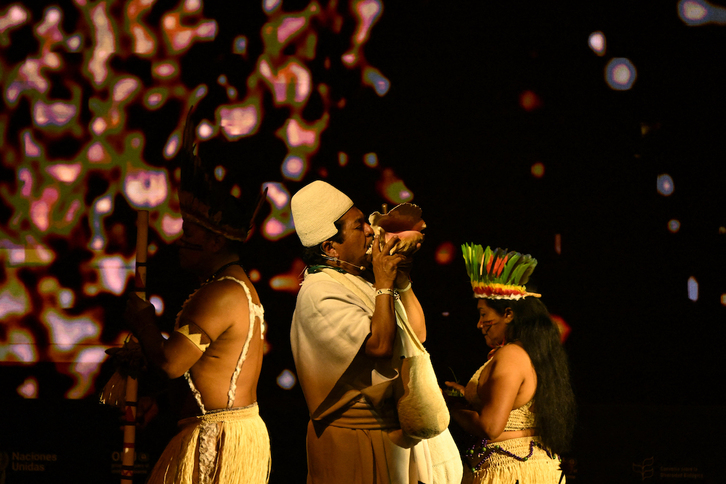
(204, 202)
(498, 274)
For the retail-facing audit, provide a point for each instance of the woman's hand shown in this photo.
(454, 396)
(460, 388)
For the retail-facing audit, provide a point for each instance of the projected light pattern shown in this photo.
(237, 121)
(14, 16)
(19, 348)
(620, 74)
(294, 168)
(375, 79)
(29, 388)
(84, 369)
(68, 333)
(699, 12)
(279, 223)
(102, 128)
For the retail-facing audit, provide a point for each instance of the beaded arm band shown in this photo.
(196, 335)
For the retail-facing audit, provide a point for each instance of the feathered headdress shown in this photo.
(206, 203)
(498, 274)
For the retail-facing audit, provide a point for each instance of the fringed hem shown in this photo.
(539, 468)
(243, 453)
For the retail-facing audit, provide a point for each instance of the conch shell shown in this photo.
(404, 221)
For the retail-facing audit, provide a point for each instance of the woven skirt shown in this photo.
(521, 459)
(220, 447)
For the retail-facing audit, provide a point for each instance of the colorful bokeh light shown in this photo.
(665, 185)
(692, 289)
(118, 110)
(445, 253)
(286, 380)
(562, 327)
(371, 159)
(700, 12)
(29, 388)
(558, 244)
(529, 101)
(597, 43)
(620, 74)
(538, 170)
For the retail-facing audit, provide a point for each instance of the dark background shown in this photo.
(647, 362)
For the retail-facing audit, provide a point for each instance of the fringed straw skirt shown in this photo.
(221, 447)
(523, 459)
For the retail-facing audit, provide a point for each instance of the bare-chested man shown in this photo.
(216, 345)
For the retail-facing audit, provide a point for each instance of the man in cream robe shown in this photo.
(346, 347)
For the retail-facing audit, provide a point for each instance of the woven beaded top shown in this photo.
(521, 418)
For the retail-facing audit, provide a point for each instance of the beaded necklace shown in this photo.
(496, 348)
(319, 267)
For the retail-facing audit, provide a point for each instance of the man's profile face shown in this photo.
(357, 238)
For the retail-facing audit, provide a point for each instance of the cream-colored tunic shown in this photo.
(349, 394)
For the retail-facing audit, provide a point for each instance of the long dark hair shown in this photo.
(533, 327)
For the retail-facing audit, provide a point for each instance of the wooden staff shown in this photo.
(132, 384)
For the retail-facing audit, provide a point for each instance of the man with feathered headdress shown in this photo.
(217, 342)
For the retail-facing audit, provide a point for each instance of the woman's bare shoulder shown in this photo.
(511, 354)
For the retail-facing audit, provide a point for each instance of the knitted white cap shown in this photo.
(315, 209)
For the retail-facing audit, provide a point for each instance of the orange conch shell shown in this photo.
(404, 221)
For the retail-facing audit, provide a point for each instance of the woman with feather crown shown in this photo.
(519, 406)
